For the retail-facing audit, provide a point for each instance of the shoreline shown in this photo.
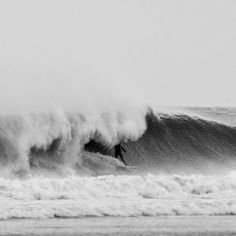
(162, 225)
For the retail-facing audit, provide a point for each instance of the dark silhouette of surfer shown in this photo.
(118, 152)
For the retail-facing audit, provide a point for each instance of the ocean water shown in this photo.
(123, 226)
(60, 165)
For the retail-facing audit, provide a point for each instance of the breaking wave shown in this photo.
(55, 141)
(61, 165)
(76, 143)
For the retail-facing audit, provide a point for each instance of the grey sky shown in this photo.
(171, 52)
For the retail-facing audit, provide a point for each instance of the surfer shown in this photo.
(118, 152)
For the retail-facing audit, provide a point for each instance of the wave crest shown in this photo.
(57, 139)
(154, 141)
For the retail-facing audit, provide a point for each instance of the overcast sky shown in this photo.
(171, 52)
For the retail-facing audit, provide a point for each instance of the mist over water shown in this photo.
(74, 84)
(58, 130)
(44, 89)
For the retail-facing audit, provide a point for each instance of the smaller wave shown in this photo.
(147, 195)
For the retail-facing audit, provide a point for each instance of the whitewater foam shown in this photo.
(147, 195)
(59, 138)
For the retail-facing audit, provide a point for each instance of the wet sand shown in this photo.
(169, 225)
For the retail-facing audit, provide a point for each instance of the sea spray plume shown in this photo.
(31, 83)
(157, 141)
(22, 134)
(56, 140)
(108, 128)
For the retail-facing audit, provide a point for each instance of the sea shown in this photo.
(58, 171)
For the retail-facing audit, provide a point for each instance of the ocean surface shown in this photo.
(123, 226)
(61, 165)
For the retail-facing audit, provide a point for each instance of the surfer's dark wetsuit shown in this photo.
(118, 152)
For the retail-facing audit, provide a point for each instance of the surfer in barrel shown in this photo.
(118, 152)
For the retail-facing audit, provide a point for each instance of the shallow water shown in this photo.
(147, 226)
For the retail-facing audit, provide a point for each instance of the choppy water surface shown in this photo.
(61, 165)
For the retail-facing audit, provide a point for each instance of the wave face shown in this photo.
(179, 142)
(72, 143)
